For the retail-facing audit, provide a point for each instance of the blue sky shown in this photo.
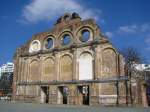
(125, 22)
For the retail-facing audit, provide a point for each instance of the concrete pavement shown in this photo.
(32, 107)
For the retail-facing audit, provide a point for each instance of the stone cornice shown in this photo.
(101, 80)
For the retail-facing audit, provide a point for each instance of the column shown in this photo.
(41, 68)
(57, 66)
(74, 77)
(144, 97)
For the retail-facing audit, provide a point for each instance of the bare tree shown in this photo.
(132, 57)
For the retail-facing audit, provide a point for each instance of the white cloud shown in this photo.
(148, 48)
(134, 28)
(128, 28)
(148, 39)
(145, 27)
(109, 34)
(39, 10)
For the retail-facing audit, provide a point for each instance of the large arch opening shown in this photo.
(85, 66)
(109, 63)
(48, 70)
(66, 68)
(34, 71)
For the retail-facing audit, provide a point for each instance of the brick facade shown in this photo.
(89, 72)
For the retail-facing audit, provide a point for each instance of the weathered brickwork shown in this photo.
(73, 63)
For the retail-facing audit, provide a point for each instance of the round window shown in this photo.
(66, 40)
(85, 36)
(35, 46)
(49, 43)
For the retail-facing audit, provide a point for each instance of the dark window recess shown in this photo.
(49, 43)
(66, 40)
(66, 18)
(85, 36)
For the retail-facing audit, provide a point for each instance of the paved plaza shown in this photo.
(31, 107)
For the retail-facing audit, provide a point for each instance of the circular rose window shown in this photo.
(85, 36)
(35, 46)
(49, 43)
(66, 39)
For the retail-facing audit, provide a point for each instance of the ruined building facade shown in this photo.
(73, 63)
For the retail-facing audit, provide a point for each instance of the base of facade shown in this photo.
(73, 94)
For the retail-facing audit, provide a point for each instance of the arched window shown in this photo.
(85, 36)
(85, 66)
(35, 46)
(66, 68)
(109, 63)
(34, 71)
(66, 39)
(48, 70)
(49, 43)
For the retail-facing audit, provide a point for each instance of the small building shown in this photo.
(142, 67)
(7, 68)
(73, 63)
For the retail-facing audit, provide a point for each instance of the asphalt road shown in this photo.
(31, 107)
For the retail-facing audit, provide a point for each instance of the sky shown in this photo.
(125, 22)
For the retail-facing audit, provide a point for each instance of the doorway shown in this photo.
(83, 94)
(63, 94)
(44, 94)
